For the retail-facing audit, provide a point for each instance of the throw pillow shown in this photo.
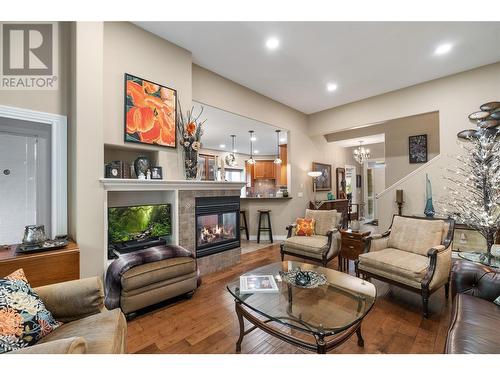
(305, 227)
(23, 317)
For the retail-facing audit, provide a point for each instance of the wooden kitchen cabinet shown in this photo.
(264, 169)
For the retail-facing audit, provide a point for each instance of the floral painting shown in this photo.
(150, 112)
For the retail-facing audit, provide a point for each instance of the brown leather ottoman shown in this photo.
(151, 283)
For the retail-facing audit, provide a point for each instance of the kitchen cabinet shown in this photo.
(264, 169)
(206, 164)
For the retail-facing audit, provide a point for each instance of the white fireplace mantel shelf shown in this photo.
(125, 184)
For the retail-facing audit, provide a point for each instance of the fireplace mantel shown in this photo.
(124, 184)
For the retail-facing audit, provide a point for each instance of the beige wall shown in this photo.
(86, 139)
(454, 97)
(130, 49)
(51, 101)
(217, 91)
(396, 134)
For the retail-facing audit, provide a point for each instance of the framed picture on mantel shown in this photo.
(150, 112)
(323, 182)
(417, 148)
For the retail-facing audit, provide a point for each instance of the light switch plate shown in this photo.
(300, 194)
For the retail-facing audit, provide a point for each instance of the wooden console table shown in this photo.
(43, 268)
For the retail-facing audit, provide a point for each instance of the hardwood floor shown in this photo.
(207, 323)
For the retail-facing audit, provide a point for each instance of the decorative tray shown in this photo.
(315, 279)
(42, 246)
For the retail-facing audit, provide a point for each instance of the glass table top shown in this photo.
(481, 258)
(328, 309)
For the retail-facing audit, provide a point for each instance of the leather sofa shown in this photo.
(475, 319)
(88, 326)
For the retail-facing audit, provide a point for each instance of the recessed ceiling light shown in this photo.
(256, 152)
(443, 49)
(235, 150)
(222, 146)
(272, 43)
(330, 87)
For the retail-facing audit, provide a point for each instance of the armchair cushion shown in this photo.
(312, 244)
(402, 264)
(72, 300)
(378, 243)
(415, 235)
(325, 220)
(104, 333)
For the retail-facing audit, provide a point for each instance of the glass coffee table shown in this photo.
(316, 319)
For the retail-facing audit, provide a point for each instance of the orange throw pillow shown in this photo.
(305, 227)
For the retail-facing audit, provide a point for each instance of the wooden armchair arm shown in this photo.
(432, 254)
(289, 229)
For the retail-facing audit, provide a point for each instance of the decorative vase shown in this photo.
(191, 164)
(141, 165)
(429, 207)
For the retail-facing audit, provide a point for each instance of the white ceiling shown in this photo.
(363, 58)
(221, 124)
(368, 140)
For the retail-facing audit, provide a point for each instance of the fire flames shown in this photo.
(210, 234)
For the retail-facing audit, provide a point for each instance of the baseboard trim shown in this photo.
(265, 237)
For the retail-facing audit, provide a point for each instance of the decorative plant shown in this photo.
(190, 131)
(475, 182)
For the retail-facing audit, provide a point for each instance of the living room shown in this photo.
(168, 191)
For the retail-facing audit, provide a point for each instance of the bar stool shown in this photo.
(263, 213)
(244, 222)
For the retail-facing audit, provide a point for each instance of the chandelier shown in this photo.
(361, 154)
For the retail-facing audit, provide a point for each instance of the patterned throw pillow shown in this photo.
(305, 227)
(23, 317)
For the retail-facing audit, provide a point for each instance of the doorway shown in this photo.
(374, 183)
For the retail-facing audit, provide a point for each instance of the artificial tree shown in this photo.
(474, 187)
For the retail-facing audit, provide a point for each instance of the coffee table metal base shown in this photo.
(321, 345)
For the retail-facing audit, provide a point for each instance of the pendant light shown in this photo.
(278, 160)
(252, 138)
(233, 150)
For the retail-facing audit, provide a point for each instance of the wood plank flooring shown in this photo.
(207, 323)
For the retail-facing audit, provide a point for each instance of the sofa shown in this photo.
(323, 246)
(88, 327)
(415, 254)
(475, 319)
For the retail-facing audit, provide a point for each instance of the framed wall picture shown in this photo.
(323, 182)
(417, 148)
(156, 173)
(150, 112)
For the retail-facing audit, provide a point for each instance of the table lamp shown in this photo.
(314, 175)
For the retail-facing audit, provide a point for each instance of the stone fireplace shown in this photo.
(209, 225)
(217, 224)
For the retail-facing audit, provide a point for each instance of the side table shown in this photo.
(351, 246)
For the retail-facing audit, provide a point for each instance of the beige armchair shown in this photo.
(88, 327)
(323, 246)
(415, 254)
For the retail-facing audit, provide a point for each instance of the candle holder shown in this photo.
(399, 201)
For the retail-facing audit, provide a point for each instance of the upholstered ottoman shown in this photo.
(151, 283)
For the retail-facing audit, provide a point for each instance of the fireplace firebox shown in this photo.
(217, 224)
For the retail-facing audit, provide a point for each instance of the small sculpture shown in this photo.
(302, 278)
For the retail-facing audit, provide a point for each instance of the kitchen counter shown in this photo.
(265, 198)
